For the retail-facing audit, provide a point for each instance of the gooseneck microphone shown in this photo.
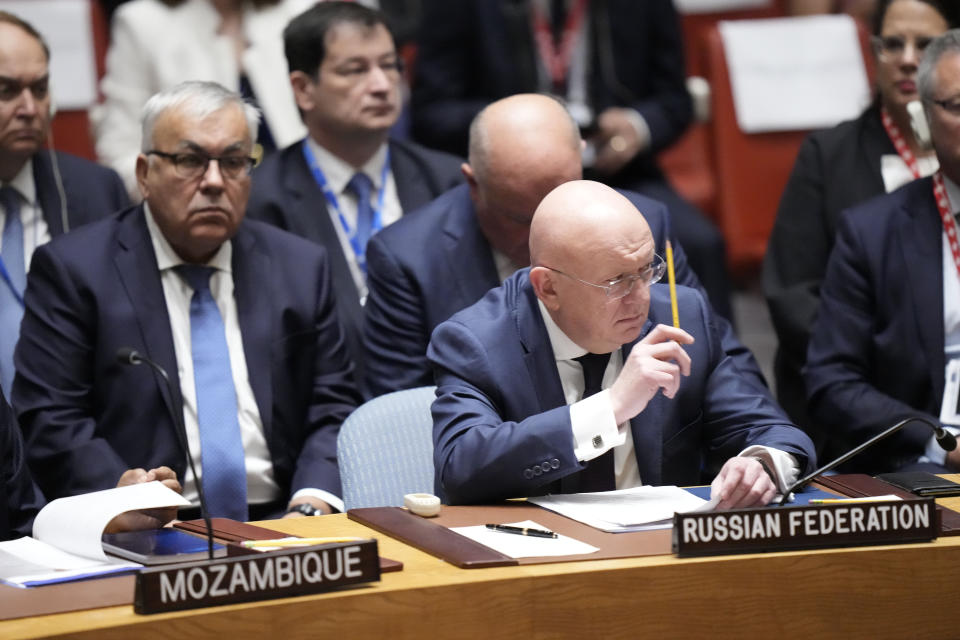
(944, 438)
(130, 356)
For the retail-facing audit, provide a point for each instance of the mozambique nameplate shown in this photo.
(804, 527)
(259, 576)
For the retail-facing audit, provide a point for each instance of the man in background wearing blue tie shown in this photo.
(347, 179)
(240, 314)
(42, 193)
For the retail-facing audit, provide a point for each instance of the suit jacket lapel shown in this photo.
(920, 241)
(48, 196)
(537, 351)
(137, 269)
(253, 295)
(467, 251)
(310, 218)
(412, 188)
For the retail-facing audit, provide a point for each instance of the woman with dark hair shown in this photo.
(156, 44)
(838, 168)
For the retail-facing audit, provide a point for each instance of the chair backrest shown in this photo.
(751, 168)
(385, 449)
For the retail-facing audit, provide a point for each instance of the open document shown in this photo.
(637, 509)
(66, 543)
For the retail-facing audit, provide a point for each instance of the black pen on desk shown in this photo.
(522, 531)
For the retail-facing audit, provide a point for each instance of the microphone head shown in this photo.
(946, 440)
(128, 355)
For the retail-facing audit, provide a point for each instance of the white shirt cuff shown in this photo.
(595, 430)
(783, 465)
(335, 503)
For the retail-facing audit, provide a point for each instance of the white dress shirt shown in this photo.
(35, 230)
(261, 485)
(592, 417)
(338, 173)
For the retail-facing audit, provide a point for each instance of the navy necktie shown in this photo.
(599, 474)
(11, 290)
(361, 186)
(221, 446)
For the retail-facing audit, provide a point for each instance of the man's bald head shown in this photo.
(521, 147)
(585, 235)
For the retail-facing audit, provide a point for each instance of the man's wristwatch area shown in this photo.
(306, 509)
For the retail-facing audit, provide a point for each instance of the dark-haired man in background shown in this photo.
(347, 179)
(42, 193)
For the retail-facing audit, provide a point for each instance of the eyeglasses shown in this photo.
(894, 47)
(11, 88)
(951, 106)
(621, 287)
(194, 165)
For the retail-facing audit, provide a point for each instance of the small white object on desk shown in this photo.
(426, 505)
(516, 546)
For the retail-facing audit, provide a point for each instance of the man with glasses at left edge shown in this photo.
(567, 379)
(239, 314)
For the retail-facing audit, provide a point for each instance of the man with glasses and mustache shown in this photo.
(240, 314)
(567, 379)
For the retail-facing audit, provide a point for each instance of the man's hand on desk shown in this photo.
(741, 483)
(147, 518)
(322, 507)
(654, 363)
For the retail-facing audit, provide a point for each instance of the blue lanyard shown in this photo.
(375, 225)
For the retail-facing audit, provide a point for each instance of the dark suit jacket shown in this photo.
(20, 499)
(835, 169)
(474, 52)
(285, 194)
(86, 418)
(500, 408)
(92, 191)
(435, 262)
(876, 351)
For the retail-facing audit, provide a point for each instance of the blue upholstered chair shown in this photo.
(385, 449)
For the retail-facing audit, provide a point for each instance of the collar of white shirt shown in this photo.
(24, 184)
(338, 173)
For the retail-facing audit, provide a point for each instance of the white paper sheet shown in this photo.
(518, 546)
(76, 524)
(29, 562)
(715, 6)
(795, 73)
(625, 510)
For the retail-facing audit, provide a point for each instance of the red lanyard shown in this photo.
(557, 58)
(946, 216)
(899, 143)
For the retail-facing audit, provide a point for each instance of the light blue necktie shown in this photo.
(361, 186)
(221, 446)
(14, 282)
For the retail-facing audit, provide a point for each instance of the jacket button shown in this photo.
(528, 473)
(554, 464)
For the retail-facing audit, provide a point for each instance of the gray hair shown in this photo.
(201, 99)
(948, 42)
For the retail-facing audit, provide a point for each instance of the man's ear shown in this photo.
(301, 83)
(143, 167)
(542, 281)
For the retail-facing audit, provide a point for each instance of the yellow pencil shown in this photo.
(295, 542)
(672, 279)
(846, 500)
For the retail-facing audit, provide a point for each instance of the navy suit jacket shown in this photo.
(500, 408)
(20, 499)
(877, 348)
(435, 262)
(285, 194)
(92, 191)
(474, 52)
(86, 418)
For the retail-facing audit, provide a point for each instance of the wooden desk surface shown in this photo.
(875, 592)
